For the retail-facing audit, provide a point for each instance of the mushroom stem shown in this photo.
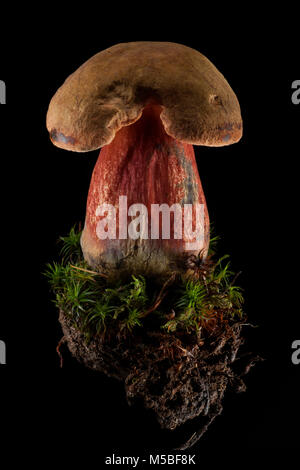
(148, 167)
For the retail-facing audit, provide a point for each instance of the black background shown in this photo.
(252, 194)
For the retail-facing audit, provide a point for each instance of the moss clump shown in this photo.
(203, 299)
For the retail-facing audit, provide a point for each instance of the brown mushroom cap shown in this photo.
(112, 88)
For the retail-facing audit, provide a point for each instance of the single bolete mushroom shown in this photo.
(146, 104)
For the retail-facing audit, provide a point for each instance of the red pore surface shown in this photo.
(149, 167)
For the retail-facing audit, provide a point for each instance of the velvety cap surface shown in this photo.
(112, 88)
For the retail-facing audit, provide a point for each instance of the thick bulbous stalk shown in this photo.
(149, 167)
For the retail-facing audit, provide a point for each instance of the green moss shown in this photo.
(204, 299)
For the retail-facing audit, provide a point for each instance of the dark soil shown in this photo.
(178, 377)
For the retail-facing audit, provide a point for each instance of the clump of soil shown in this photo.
(177, 376)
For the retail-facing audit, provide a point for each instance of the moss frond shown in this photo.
(71, 244)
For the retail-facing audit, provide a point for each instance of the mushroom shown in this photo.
(146, 104)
